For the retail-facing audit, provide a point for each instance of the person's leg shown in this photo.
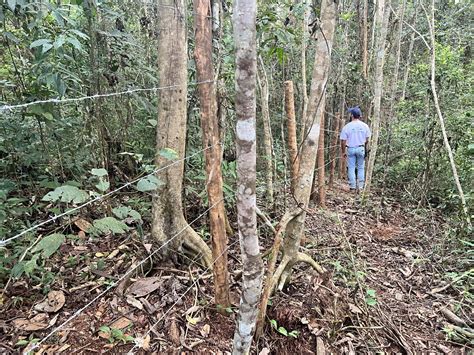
(351, 164)
(360, 167)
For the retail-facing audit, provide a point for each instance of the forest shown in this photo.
(185, 177)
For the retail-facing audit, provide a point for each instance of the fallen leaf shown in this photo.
(53, 303)
(113, 254)
(193, 320)
(193, 309)
(399, 296)
(143, 343)
(354, 309)
(205, 330)
(264, 351)
(148, 306)
(81, 234)
(173, 332)
(134, 302)
(148, 247)
(121, 323)
(145, 286)
(99, 255)
(82, 224)
(38, 322)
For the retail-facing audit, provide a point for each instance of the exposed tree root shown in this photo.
(194, 242)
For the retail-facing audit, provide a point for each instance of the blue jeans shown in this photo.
(356, 158)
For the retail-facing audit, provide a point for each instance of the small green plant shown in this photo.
(282, 330)
(370, 297)
(115, 335)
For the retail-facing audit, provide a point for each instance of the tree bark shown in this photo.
(333, 150)
(320, 182)
(303, 70)
(292, 223)
(431, 25)
(407, 65)
(210, 135)
(244, 18)
(267, 132)
(169, 228)
(382, 17)
(291, 126)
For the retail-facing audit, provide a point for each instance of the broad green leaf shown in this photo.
(66, 193)
(283, 331)
(123, 212)
(107, 225)
(80, 34)
(153, 123)
(46, 47)
(40, 42)
(273, 323)
(75, 42)
(11, 37)
(103, 185)
(371, 301)
(31, 265)
(169, 154)
(49, 244)
(294, 333)
(148, 183)
(99, 172)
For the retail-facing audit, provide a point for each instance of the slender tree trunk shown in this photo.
(407, 65)
(364, 40)
(267, 132)
(333, 149)
(169, 228)
(393, 89)
(244, 18)
(291, 126)
(383, 14)
(303, 70)
(292, 223)
(431, 24)
(319, 182)
(210, 135)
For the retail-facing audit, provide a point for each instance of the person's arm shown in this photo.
(343, 147)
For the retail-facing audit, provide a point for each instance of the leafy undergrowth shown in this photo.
(393, 279)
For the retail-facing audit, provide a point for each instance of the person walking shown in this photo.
(354, 138)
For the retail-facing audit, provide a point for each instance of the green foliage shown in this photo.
(149, 183)
(49, 244)
(123, 212)
(115, 335)
(108, 225)
(370, 297)
(283, 330)
(67, 194)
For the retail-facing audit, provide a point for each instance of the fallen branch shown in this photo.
(452, 317)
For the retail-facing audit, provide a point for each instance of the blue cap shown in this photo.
(355, 111)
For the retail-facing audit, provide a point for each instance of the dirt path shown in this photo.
(388, 280)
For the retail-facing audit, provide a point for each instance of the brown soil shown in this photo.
(385, 264)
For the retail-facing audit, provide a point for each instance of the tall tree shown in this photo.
(210, 135)
(381, 27)
(292, 223)
(431, 25)
(262, 80)
(291, 125)
(244, 18)
(169, 227)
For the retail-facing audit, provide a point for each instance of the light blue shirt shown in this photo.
(355, 133)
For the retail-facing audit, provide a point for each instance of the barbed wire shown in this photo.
(116, 282)
(100, 197)
(82, 98)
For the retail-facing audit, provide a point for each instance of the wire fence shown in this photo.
(98, 198)
(96, 96)
(123, 277)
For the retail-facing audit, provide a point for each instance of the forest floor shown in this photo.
(392, 286)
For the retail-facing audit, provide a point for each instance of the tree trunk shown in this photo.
(291, 126)
(383, 14)
(320, 182)
(334, 149)
(292, 223)
(303, 70)
(431, 25)
(169, 228)
(244, 17)
(364, 41)
(267, 132)
(407, 65)
(210, 135)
